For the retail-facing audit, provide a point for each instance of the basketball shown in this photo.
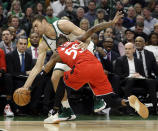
(21, 96)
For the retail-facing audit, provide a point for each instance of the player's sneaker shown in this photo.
(64, 115)
(99, 104)
(67, 114)
(7, 111)
(52, 119)
(141, 109)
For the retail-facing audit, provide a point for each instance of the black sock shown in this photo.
(60, 91)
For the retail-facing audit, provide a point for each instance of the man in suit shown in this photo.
(6, 43)
(131, 72)
(147, 57)
(19, 64)
(107, 56)
(33, 49)
(149, 65)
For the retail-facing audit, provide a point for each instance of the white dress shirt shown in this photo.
(33, 52)
(154, 49)
(20, 56)
(144, 61)
(131, 67)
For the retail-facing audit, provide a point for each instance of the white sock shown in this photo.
(65, 104)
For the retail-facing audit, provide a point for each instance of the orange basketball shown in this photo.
(22, 96)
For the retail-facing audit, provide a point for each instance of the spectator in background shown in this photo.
(109, 33)
(13, 33)
(152, 45)
(150, 67)
(49, 15)
(156, 28)
(26, 22)
(139, 27)
(130, 19)
(57, 6)
(131, 71)
(18, 57)
(100, 16)
(91, 14)
(4, 84)
(3, 19)
(149, 20)
(84, 24)
(14, 21)
(68, 11)
(104, 4)
(155, 12)
(15, 10)
(33, 50)
(107, 55)
(3, 68)
(119, 30)
(79, 16)
(19, 64)
(129, 38)
(118, 7)
(39, 9)
(6, 43)
(140, 19)
(138, 9)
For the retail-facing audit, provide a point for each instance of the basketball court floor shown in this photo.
(82, 123)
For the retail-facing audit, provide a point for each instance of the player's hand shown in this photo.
(82, 45)
(101, 51)
(118, 16)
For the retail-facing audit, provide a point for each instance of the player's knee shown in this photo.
(57, 74)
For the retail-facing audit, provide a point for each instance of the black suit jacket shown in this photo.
(151, 64)
(107, 64)
(122, 66)
(13, 63)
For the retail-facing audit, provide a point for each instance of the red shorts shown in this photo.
(91, 73)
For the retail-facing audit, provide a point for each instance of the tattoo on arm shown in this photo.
(94, 29)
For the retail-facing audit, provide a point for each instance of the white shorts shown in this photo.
(64, 67)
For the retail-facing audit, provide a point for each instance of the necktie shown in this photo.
(22, 63)
(108, 55)
(140, 55)
(36, 54)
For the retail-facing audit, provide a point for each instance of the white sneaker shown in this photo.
(141, 109)
(52, 119)
(8, 111)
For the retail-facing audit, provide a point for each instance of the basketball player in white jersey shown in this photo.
(50, 34)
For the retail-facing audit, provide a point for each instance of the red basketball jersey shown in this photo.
(71, 55)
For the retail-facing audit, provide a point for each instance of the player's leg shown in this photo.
(66, 109)
(56, 115)
(114, 101)
(101, 87)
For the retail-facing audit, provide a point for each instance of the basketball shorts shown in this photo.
(91, 73)
(62, 67)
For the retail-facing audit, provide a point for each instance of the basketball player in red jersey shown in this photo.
(85, 68)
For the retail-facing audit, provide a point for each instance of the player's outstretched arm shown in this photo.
(100, 27)
(70, 28)
(51, 63)
(38, 67)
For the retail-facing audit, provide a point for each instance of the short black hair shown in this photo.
(39, 18)
(61, 39)
(22, 37)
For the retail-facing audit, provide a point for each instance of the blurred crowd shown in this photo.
(138, 26)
